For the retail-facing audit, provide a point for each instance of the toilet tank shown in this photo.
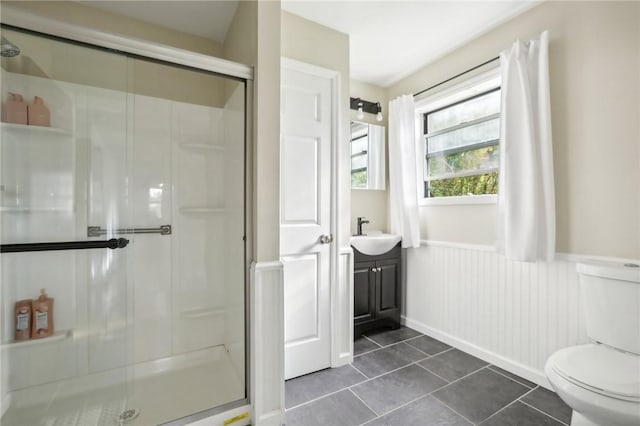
(611, 299)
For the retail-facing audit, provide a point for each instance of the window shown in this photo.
(461, 140)
(359, 154)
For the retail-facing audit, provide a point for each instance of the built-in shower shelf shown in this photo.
(13, 209)
(204, 147)
(202, 313)
(58, 336)
(201, 210)
(36, 129)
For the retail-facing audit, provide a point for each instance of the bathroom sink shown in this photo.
(375, 243)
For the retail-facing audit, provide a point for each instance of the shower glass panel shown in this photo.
(149, 155)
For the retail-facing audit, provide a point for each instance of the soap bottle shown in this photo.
(42, 324)
(15, 110)
(23, 320)
(38, 113)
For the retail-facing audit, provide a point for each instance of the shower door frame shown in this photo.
(180, 57)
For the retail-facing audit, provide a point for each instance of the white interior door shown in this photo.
(305, 219)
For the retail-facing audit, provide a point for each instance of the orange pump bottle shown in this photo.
(42, 323)
(38, 113)
(15, 110)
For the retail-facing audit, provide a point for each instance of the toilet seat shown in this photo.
(600, 369)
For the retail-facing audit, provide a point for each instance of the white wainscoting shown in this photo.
(267, 343)
(512, 314)
(342, 310)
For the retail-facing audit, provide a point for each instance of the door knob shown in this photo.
(326, 239)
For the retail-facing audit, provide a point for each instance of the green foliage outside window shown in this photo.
(359, 179)
(467, 185)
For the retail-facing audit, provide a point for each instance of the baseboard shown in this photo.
(531, 374)
(274, 418)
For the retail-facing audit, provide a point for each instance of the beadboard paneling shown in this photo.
(514, 314)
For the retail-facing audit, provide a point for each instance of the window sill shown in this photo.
(461, 200)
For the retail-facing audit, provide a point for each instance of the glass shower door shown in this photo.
(61, 168)
(148, 158)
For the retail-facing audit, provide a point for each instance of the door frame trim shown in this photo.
(334, 301)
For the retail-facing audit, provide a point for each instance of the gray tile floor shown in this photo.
(404, 378)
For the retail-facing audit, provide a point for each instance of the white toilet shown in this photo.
(601, 380)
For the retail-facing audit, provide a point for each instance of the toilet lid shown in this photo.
(601, 369)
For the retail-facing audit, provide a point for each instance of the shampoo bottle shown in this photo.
(42, 316)
(15, 110)
(23, 320)
(38, 113)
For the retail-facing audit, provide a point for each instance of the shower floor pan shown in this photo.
(159, 391)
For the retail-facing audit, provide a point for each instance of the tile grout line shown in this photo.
(380, 375)
(454, 381)
(511, 378)
(543, 412)
(365, 404)
(371, 340)
(424, 335)
(384, 347)
(508, 405)
(320, 397)
(483, 368)
(372, 350)
(399, 407)
(358, 370)
(435, 374)
(451, 408)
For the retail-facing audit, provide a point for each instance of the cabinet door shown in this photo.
(364, 293)
(388, 297)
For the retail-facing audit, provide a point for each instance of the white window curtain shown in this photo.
(403, 158)
(526, 201)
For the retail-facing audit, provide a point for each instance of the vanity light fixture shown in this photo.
(379, 114)
(363, 106)
(360, 111)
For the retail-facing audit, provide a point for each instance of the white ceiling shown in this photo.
(388, 39)
(208, 19)
(391, 39)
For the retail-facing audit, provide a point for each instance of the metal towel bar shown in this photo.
(96, 231)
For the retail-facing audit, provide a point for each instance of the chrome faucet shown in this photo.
(361, 222)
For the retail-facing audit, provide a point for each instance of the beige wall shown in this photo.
(595, 94)
(371, 204)
(254, 38)
(315, 44)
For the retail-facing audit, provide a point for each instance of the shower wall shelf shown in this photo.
(36, 129)
(201, 210)
(202, 147)
(11, 209)
(57, 336)
(202, 313)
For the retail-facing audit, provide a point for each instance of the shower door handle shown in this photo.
(326, 239)
(114, 243)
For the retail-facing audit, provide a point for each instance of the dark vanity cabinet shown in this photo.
(376, 292)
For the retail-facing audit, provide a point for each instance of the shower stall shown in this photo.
(129, 210)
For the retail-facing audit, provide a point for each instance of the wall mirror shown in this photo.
(367, 156)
